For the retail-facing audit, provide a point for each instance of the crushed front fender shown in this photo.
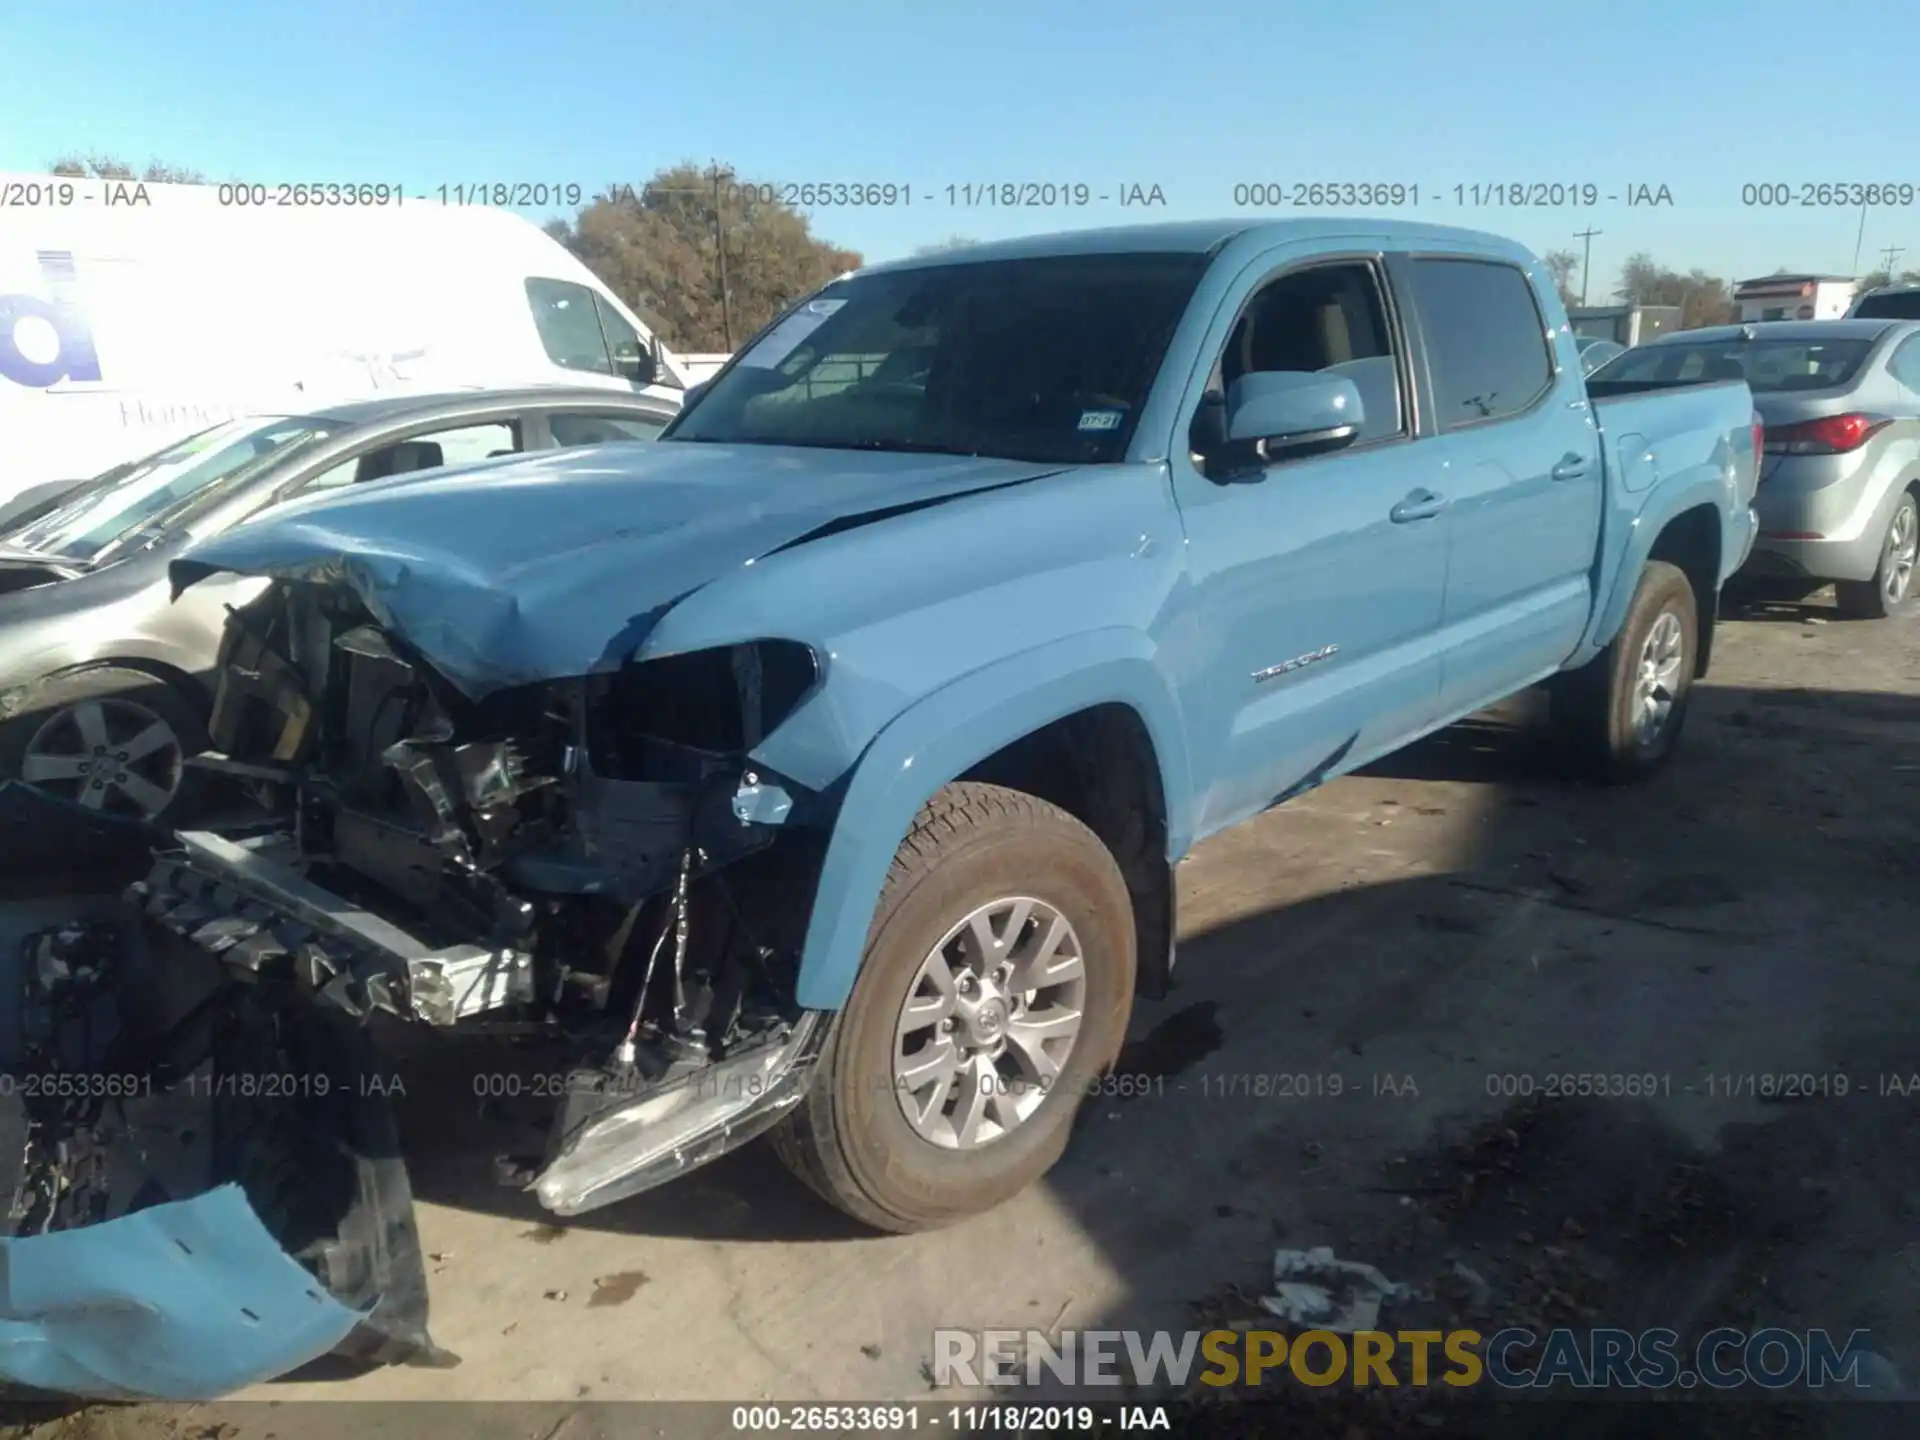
(187, 1300)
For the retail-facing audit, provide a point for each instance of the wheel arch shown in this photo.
(1009, 721)
(190, 687)
(1687, 529)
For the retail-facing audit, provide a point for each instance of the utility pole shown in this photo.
(1858, 236)
(720, 245)
(1586, 257)
(1890, 254)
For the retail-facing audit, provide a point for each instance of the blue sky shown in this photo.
(1195, 97)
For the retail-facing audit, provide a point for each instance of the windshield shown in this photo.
(1768, 366)
(165, 486)
(1046, 360)
(1894, 305)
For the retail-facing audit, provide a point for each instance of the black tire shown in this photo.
(49, 699)
(1889, 592)
(850, 1139)
(1593, 708)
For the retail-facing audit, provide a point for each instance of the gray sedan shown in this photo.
(1839, 495)
(102, 688)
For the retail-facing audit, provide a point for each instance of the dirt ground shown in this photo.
(1454, 916)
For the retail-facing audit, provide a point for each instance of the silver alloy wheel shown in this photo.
(1903, 543)
(1657, 685)
(109, 754)
(989, 1022)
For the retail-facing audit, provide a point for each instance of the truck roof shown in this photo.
(1205, 236)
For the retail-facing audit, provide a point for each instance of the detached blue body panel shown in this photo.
(188, 1300)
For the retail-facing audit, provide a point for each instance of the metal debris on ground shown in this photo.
(1315, 1291)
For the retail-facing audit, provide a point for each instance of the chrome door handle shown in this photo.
(1420, 505)
(1571, 467)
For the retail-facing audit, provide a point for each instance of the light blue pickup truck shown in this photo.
(822, 767)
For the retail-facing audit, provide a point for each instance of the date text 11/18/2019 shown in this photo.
(911, 1416)
(1480, 195)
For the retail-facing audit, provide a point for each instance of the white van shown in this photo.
(132, 315)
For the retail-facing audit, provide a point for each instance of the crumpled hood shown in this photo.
(560, 564)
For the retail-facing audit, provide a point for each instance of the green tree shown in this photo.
(106, 167)
(659, 248)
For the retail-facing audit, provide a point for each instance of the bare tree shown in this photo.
(1703, 299)
(1563, 265)
(952, 242)
(106, 167)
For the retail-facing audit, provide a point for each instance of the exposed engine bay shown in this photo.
(593, 863)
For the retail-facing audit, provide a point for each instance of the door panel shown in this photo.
(1523, 461)
(1317, 606)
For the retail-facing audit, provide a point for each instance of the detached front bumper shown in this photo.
(188, 1300)
(618, 1130)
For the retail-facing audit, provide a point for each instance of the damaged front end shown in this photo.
(594, 860)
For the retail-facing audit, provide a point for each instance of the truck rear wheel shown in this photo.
(996, 987)
(1619, 716)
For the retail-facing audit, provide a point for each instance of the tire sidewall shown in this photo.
(1060, 864)
(1888, 606)
(1662, 591)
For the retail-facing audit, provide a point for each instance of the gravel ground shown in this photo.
(1456, 925)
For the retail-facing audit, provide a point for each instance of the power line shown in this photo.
(720, 245)
(1586, 257)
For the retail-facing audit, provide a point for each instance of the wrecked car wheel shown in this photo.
(111, 739)
(996, 986)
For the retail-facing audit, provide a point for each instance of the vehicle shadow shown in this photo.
(1781, 602)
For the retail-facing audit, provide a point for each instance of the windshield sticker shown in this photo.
(1100, 419)
(785, 338)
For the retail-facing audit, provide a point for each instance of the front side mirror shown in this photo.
(694, 392)
(636, 363)
(1293, 411)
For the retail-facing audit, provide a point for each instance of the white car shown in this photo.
(133, 315)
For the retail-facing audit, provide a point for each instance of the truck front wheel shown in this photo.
(1619, 716)
(995, 989)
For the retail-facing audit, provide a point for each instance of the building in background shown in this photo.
(1794, 297)
(1627, 325)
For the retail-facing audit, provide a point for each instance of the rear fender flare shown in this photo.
(946, 733)
(1619, 582)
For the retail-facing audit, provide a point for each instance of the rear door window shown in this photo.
(1486, 339)
(460, 445)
